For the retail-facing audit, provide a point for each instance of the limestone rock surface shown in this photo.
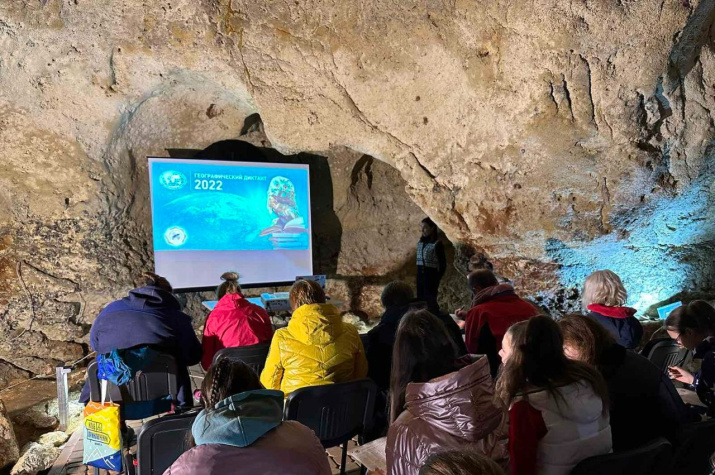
(9, 451)
(556, 137)
(36, 419)
(34, 459)
(54, 438)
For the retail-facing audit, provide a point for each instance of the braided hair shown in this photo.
(226, 378)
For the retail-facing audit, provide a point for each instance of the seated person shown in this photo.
(558, 408)
(396, 298)
(644, 403)
(316, 347)
(234, 321)
(693, 326)
(241, 430)
(604, 297)
(453, 328)
(439, 402)
(149, 316)
(460, 462)
(495, 308)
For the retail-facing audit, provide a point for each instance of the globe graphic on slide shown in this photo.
(175, 236)
(216, 221)
(173, 180)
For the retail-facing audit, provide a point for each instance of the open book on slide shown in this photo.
(371, 455)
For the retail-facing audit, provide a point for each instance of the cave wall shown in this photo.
(558, 137)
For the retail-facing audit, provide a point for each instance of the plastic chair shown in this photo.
(665, 352)
(698, 444)
(254, 355)
(162, 441)
(156, 381)
(149, 388)
(335, 412)
(651, 459)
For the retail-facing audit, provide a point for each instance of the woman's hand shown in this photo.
(461, 313)
(679, 374)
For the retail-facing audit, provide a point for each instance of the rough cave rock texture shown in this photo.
(557, 137)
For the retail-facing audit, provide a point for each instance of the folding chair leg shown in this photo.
(344, 459)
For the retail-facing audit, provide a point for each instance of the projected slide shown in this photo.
(209, 217)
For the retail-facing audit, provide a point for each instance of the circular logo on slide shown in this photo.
(175, 236)
(173, 180)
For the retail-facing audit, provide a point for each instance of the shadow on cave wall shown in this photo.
(327, 230)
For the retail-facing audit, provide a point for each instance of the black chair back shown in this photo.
(364, 339)
(157, 380)
(698, 444)
(254, 355)
(652, 459)
(162, 441)
(665, 352)
(336, 412)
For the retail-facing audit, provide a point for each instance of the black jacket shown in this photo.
(644, 403)
(381, 340)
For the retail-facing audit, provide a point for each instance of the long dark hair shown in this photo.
(538, 362)
(224, 379)
(423, 350)
(698, 315)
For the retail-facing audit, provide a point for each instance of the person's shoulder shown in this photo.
(403, 424)
(350, 329)
(193, 460)
(295, 427)
(637, 367)
(293, 434)
(112, 308)
(633, 320)
(281, 332)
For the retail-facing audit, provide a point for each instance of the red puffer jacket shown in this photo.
(234, 322)
(452, 412)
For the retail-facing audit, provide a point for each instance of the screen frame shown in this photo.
(249, 161)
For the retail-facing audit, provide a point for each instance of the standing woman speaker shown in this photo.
(431, 264)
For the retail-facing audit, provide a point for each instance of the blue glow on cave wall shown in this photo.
(668, 247)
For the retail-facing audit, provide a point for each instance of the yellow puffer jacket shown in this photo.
(315, 348)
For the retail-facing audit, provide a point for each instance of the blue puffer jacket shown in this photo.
(149, 316)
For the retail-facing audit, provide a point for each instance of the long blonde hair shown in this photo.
(604, 287)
